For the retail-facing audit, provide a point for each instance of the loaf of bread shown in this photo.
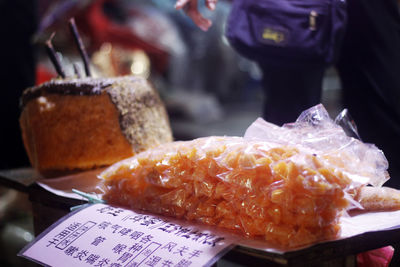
(378, 198)
(262, 190)
(79, 124)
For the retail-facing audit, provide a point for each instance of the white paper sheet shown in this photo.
(102, 235)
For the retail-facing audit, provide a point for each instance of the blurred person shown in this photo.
(17, 71)
(288, 90)
(369, 68)
(190, 7)
(18, 25)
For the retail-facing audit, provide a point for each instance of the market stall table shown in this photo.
(48, 208)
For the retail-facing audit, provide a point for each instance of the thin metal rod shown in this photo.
(76, 70)
(53, 56)
(80, 45)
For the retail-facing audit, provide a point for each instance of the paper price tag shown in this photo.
(102, 235)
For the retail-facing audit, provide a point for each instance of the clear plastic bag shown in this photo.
(288, 185)
(314, 131)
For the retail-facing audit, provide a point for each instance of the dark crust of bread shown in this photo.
(143, 118)
(69, 86)
(73, 86)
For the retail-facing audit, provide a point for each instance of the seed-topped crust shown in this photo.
(91, 114)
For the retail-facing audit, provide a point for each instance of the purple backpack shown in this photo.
(287, 32)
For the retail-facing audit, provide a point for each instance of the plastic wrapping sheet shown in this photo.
(288, 185)
(316, 132)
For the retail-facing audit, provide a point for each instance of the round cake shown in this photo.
(78, 124)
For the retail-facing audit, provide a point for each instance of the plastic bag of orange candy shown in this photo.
(286, 185)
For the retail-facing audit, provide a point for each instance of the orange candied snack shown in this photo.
(252, 187)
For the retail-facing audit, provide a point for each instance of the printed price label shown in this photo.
(102, 235)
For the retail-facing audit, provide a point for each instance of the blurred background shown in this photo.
(207, 87)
